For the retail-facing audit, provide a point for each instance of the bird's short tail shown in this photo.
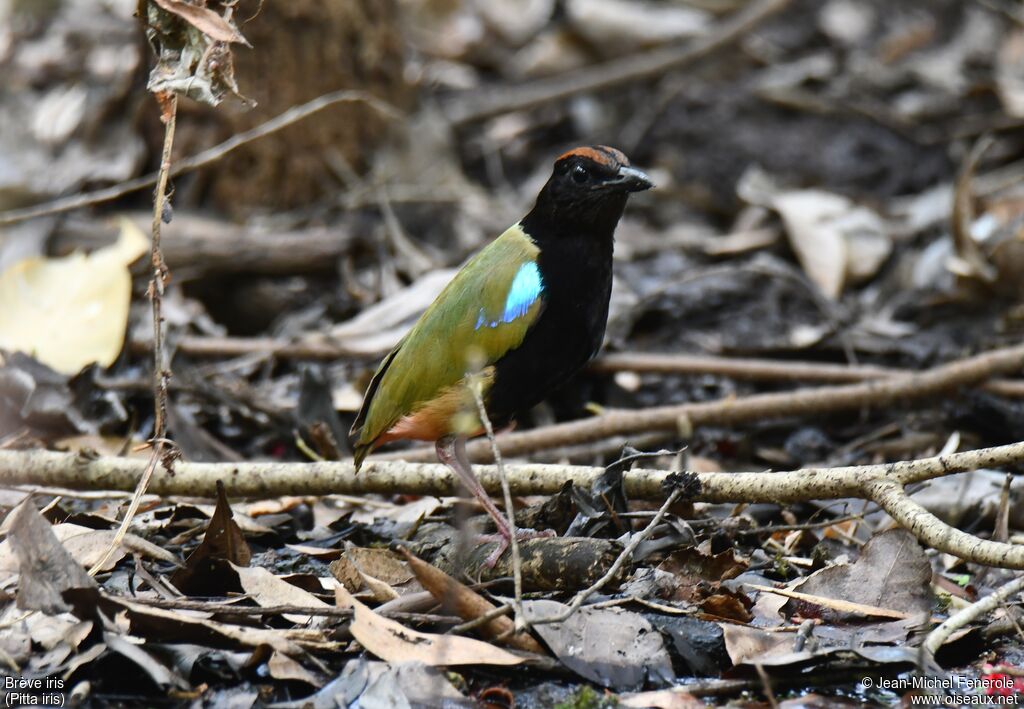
(359, 453)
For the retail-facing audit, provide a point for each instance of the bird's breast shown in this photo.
(568, 333)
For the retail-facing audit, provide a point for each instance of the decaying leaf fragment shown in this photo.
(205, 20)
(192, 44)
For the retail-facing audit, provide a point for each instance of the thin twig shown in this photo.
(510, 512)
(210, 155)
(161, 372)
(235, 609)
(941, 634)
(627, 554)
(481, 620)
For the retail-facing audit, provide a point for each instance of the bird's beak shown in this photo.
(630, 179)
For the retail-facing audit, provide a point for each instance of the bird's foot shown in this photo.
(503, 539)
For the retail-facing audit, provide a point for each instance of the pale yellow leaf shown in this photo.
(72, 311)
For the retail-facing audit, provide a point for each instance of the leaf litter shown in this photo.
(823, 195)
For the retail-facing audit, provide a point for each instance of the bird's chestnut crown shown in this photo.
(597, 168)
(589, 187)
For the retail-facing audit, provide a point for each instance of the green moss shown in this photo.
(587, 697)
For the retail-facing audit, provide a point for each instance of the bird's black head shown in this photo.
(587, 190)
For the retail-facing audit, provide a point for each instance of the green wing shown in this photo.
(483, 313)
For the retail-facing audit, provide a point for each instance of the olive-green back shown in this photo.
(441, 347)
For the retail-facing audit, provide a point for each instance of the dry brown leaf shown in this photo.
(725, 604)
(616, 648)
(621, 26)
(205, 20)
(223, 540)
(72, 311)
(46, 567)
(393, 642)
(835, 604)
(381, 592)
(744, 642)
(377, 569)
(691, 563)
(468, 604)
(283, 667)
(89, 547)
(382, 564)
(180, 625)
(318, 553)
(268, 590)
(892, 572)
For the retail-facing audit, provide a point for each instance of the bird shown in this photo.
(524, 314)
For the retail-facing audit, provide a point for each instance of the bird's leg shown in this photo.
(451, 450)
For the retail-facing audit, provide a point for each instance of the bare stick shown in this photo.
(161, 372)
(484, 619)
(202, 159)
(510, 512)
(941, 634)
(264, 480)
(819, 400)
(928, 528)
(225, 608)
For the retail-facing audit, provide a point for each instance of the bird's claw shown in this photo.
(503, 539)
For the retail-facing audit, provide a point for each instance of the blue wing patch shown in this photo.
(524, 292)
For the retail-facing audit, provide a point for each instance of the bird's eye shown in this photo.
(580, 174)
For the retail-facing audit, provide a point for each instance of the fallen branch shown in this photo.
(880, 483)
(941, 634)
(767, 370)
(616, 569)
(759, 407)
(197, 246)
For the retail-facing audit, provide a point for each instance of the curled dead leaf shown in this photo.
(205, 20)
